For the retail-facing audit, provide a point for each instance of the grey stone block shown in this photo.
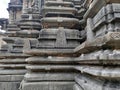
(77, 87)
(50, 76)
(9, 85)
(104, 21)
(100, 71)
(11, 78)
(91, 83)
(48, 86)
(88, 83)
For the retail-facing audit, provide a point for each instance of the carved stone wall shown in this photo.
(99, 54)
(71, 45)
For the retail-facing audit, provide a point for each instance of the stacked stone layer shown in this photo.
(12, 63)
(51, 67)
(74, 50)
(99, 54)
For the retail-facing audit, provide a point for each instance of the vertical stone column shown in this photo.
(15, 9)
(11, 17)
(25, 5)
(90, 34)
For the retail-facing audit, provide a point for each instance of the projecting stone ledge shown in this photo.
(60, 2)
(59, 22)
(67, 10)
(50, 67)
(48, 86)
(28, 33)
(50, 59)
(9, 85)
(101, 57)
(50, 52)
(13, 55)
(92, 83)
(53, 76)
(96, 5)
(109, 41)
(101, 72)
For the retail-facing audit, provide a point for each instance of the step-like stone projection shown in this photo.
(51, 66)
(99, 55)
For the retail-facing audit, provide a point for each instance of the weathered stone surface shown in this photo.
(110, 40)
(9, 85)
(49, 67)
(51, 76)
(48, 86)
(50, 59)
(103, 21)
(57, 38)
(90, 83)
(95, 5)
(30, 20)
(99, 55)
(107, 57)
(77, 87)
(11, 78)
(100, 71)
(49, 52)
(61, 10)
(15, 10)
(12, 64)
(53, 64)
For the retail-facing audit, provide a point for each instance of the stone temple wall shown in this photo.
(100, 54)
(61, 45)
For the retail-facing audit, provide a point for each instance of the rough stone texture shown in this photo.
(9, 85)
(12, 62)
(3, 24)
(15, 11)
(77, 87)
(94, 6)
(57, 62)
(30, 20)
(12, 67)
(99, 54)
(49, 86)
(50, 68)
(90, 83)
(103, 21)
